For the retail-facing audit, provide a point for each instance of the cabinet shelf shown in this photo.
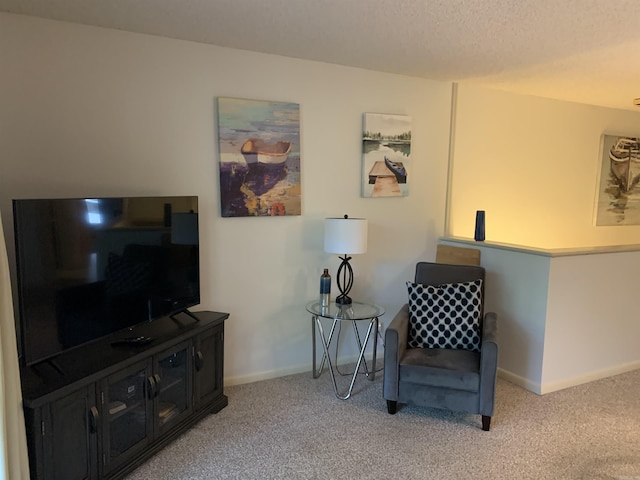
(172, 384)
(128, 409)
(166, 411)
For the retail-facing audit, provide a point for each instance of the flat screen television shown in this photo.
(89, 267)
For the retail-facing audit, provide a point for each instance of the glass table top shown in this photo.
(353, 311)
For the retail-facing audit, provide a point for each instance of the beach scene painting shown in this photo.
(259, 146)
(618, 196)
(386, 151)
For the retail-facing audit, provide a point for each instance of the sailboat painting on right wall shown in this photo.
(618, 196)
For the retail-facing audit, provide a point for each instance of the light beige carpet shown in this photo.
(294, 428)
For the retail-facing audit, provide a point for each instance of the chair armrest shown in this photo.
(488, 363)
(395, 344)
(490, 329)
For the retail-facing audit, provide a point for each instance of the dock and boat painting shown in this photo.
(259, 146)
(386, 151)
(619, 186)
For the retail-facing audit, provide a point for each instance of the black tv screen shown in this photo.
(88, 267)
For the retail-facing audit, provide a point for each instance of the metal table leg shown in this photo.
(315, 321)
(370, 375)
(373, 327)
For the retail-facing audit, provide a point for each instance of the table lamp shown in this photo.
(347, 236)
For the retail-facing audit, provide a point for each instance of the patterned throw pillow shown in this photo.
(445, 316)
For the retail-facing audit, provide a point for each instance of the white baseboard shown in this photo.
(283, 372)
(520, 381)
(266, 375)
(523, 382)
(542, 389)
(589, 377)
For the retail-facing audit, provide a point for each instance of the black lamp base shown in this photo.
(344, 279)
(343, 300)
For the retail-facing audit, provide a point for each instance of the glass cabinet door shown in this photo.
(126, 413)
(172, 374)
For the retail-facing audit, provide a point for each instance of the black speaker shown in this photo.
(479, 233)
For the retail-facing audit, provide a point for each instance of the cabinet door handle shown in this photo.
(156, 377)
(93, 419)
(151, 387)
(199, 360)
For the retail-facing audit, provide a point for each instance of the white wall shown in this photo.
(521, 311)
(517, 285)
(565, 316)
(86, 111)
(592, 326)
(532, 164)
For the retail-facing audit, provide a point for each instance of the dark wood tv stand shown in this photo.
(100, 410)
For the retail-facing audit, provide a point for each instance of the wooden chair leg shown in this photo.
(392, 406)
(486, 423)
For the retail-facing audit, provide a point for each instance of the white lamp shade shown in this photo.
(345, 235)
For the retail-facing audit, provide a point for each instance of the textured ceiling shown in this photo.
(586, 51)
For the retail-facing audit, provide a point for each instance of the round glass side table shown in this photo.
(354, 312)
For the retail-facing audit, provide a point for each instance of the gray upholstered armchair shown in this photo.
(459, 378)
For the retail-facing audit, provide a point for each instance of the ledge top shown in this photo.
(546, 252)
